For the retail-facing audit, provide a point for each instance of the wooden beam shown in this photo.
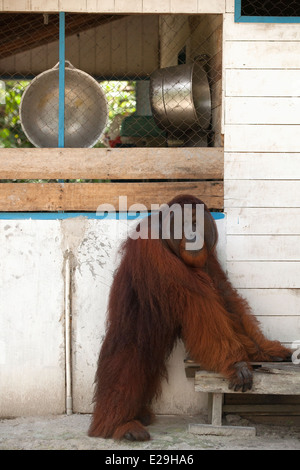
(270, 380)
(264, 409)
(104, 163)
(88, 196)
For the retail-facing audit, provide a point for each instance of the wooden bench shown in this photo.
(269, 378)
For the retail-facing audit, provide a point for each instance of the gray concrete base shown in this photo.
(211, 430)
(64, 432)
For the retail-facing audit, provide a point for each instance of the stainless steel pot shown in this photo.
(180, 97)
(86, 109)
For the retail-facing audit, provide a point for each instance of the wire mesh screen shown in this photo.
(130, 80)
(275, 8)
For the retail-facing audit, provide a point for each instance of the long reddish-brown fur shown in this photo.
(155, 299)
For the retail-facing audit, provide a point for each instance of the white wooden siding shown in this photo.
(263, 248)
(262, 54)
(229, 6)
(262, 193)
(260, 31)
(262, 169)
(261, 110)
(273, 302)
(276, 83)
(264, 274)
(262, 138)
(263, 221)
(269, 166)
(116, 6)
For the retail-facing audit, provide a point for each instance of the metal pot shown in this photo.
(180, 97)
(86, 109)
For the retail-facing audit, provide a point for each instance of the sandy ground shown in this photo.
(167, 433)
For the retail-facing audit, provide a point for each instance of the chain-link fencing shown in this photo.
(130, 80)
(274, 8)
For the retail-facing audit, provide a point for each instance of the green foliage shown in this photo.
(120, 97)
(11, 133)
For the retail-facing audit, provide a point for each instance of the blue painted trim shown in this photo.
(88, 215)
(237, 11)
(238, 18)
(68, 215)
(61, 104)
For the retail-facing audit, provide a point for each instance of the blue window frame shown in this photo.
(244, 11)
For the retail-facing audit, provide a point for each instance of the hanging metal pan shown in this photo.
(180, 97)
(86, 109)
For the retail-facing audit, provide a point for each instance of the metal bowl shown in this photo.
(86, 109)
(180, 97)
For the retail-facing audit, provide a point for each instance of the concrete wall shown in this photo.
(33, 261)
(32, 353)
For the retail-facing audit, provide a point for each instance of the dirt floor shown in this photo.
(167, 433)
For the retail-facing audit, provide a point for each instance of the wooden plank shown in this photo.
(88, 196)
(265, 274)
(147, 163)
(15, 5)
(259, 110)
(103, 6)
(230, 6)
(269, 166)
(216, 409)
(240, 399)
(103, 47)
(262, 193)
(148, 6)
(284, 328)
(45, 5)
(285, 383)
(129, 6)
(178, 6)
(156, 6)
(213, 6)
(262, 138)
(263, 221)
(118, 48)
(174, 30)
(282, 410)
(262, 82)
(87, 57)
(262, 54)
(259, 31)
(263, 247)
(272, 302)
(71, 5)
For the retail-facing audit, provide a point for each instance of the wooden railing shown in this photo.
(167, 171)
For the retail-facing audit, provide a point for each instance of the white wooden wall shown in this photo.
(262, 169)
(116, 6)
(125, 47)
